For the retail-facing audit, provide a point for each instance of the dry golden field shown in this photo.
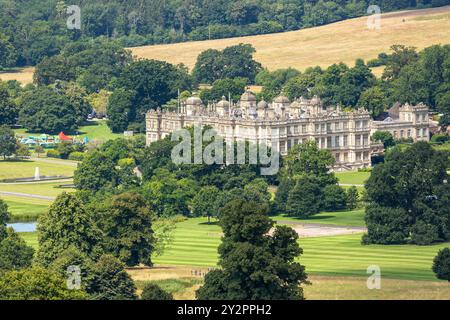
(321, 288)
(342, 41)
(24, 75)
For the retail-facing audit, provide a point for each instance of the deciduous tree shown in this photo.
(441, 264)
(66, 224)
(254, 266)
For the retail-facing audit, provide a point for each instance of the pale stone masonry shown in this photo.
(282, 124)
(405, 122)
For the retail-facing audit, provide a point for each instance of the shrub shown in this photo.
(126, 162)
(441, 265)
(305, 198)
(352, 197)
(334, 198)
(154, 292)
(440, 138)
(53, 154)
(77, 156)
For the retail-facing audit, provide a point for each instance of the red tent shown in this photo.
(63, 137)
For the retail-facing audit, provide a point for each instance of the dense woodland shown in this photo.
(33, 29)
(102, 76)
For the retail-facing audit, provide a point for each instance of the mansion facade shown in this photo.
(282, 124)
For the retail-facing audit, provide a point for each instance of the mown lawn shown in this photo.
(195, 244)
(353, 218)
(48, 189)
(352, 177)
(31, 238)
(24, 209)
(26, 169)
(97, 130)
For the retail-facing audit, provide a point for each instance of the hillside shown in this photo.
(342, 41)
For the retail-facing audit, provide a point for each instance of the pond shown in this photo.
(24, 227)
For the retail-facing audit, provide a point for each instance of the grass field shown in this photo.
(31, 239)
(97, 130)
(48, 189)
(26, 169)
(195, 244)
(94, 130)
(342, 41)
(345, 218)
(182, 284)
(353, 288)
(23, 209)
(29, 209)
(352, 177)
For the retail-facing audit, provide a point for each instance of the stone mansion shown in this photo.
(283, 124)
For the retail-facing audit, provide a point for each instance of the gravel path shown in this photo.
(310, 230)
(26, 195)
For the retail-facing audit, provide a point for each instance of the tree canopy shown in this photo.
(66, 224)
(232, 62)
(253, 265)
(409, 197)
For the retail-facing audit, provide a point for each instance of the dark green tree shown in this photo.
(409, 197)
(67, 224)
(223, 88)
(386, 225)
(73, 257)
(206, 69)
(8, 109)
(385, 137)
(233, 62)
(110, 281)
(152, 291)
(146, 84)
(401, 57)
(8, 142)
(14, 252)
(273, 82)
(120, 109)
(308, 159)
(373, 100)
(352, 197)
(305, 198)
(126, 222)
(8, 54)
(282, 194)
(254, 266)
(441, 264)
(36, 284)
(51, 69)
(96, 172)
(169, 196)
(204, 202)
(47, 110)
(334, 198)
(4, 218)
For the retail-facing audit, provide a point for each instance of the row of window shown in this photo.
(359, 156)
